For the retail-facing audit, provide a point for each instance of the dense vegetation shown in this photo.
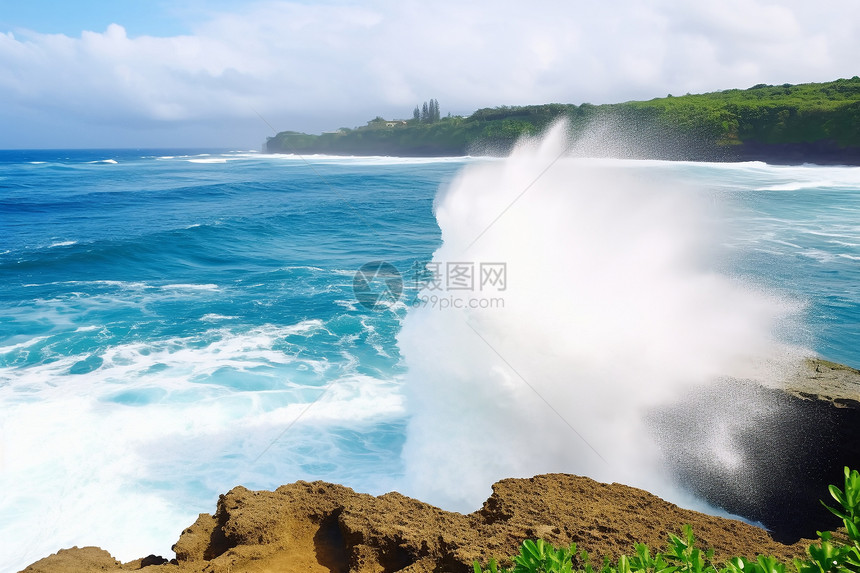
(821, 119)
(682, 556)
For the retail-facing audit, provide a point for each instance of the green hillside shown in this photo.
(811, 122)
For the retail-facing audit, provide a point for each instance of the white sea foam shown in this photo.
(301, 268)
(208, 160)
(797, 186)
(611, 309)
(209, 411)
(349, 304)
(20, 345)
(818, 255)
(129, 285)
(213, 317)
(372, 159)
(184, 286)
(786, 243)
(62, 244)
(348, 399)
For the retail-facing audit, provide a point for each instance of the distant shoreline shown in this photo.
(825, 153)
(781, 125)
(817, 153)
(781, 155)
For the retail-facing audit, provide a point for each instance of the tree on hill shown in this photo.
(429, 112)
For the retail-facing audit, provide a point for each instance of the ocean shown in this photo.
(177, 322)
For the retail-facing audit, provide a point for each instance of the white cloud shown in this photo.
(301, 63)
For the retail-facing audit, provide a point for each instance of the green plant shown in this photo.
(761, 564)
(686, 557)
(537, 557)
(831, 556)
(849, 499)
(682, 556)
(643, 561)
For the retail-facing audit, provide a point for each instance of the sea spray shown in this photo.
(610, 307)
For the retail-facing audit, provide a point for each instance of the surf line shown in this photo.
(331, 187)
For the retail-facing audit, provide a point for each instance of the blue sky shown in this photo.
(71, 17)
(138, 17)
(135, 73)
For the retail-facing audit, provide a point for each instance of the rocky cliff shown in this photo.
(321, 527)
(787, 444)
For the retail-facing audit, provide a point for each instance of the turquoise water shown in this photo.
(174, 322)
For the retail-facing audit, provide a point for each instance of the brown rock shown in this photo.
(608, 519)
(321, 527)
(75, 560)
(817, 379)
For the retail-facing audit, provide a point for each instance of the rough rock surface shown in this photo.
(786, 444)
(76, 560)
(818, 379)
(326, 528)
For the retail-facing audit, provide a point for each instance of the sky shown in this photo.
(213, 73)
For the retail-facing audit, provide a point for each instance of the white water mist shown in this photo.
(610, 309)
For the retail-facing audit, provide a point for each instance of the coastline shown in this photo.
(782, 154)
(781, 125)
(824, 153)
(326, 527)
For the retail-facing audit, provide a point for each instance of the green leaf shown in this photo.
(836, 512)
(837, 494)
(770, 565)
